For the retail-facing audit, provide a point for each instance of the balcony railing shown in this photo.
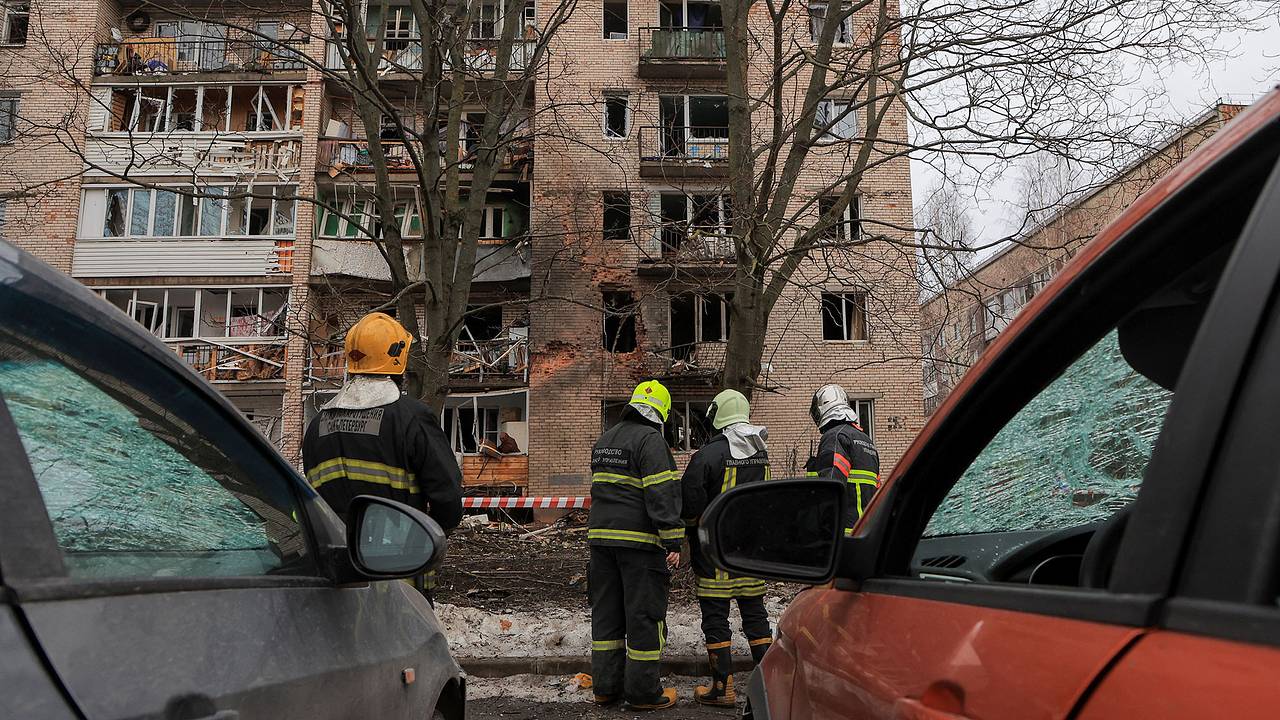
(179, 152)
(478, 57)
(681, 43)
(696, 244)
(167, 55)
(691, 359)
(335, 156)
(684, 150)
(220, 361)
(491, 360)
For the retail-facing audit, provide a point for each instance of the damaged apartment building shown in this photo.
(165, 159)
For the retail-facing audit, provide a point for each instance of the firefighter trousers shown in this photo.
(755, 623)
(628, 592)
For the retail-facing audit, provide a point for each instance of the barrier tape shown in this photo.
(540, 503)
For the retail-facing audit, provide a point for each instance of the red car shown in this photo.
(1089, 527)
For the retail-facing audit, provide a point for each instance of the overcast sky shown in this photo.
(1252, 69)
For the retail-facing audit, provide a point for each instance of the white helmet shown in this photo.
(831, 402)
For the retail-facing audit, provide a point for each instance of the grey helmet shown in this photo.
(831, 402)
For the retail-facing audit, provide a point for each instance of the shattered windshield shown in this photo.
(1073, 455)
(139, 475)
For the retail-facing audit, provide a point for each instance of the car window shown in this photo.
(136, 470)
(1074, 454)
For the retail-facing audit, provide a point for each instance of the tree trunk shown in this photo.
(748, 325)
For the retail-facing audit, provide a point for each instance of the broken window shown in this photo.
(713, 317)
(612, 412)
(399, 28)
(484, 20)
(866, 410)
(8, 119)
(617, 215)
(835, 120)
(215, 107)
(140, 213)
(619, 322)
(482, 322)
(818, 18)
(149, 110)
(17, 16)
(476, 421)
(845, 227)
(260, 108)
(844, 316)
(615, 20)
(617, 115)
(689, 14)
(472, 124)
(688, 427)
(491, 221)
(213, 207)
(113, 224)
(170, 313)
(182, 109)
(165, 214)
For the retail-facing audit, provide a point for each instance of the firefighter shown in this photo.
(734, 456)
(371, 439)
(845, 453)
(634, 536)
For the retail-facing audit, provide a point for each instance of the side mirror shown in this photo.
(778, 530)
(389, 540)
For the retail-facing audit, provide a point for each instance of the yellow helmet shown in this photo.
(655, 395)
(377, 345)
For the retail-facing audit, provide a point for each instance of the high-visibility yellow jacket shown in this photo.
(635, 492)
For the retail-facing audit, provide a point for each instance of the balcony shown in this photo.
(682, 53)
(501, 361)
(699, 360)
(684, 151)
(224, 362)
(183, 153)
(162, 56)
(335, 157)
(405, 56)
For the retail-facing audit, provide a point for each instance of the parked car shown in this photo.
(160, 559)
(1089, 527)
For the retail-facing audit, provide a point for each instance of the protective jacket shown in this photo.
(635, 499)
(735, 456)
(845, 453)
(394, 450)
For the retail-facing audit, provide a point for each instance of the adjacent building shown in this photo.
(601, 262)
(960, 320)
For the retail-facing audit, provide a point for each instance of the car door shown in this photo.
(1217, 650)
(165, 561)
(1007, 565)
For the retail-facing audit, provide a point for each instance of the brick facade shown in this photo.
(571, 374)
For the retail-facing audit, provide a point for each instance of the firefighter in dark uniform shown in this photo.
(845, 453)
(736, 455)
(634, 535)
(371, 439)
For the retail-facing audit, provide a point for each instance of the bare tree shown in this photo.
(983, 82)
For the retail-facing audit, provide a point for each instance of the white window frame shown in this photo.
(625, 97)
(626, 34)
(99, 220)
(365, 209)
(700, 299)
(160, 320)
(848, 124)
(866, 409)
(843, 37)
(849, 227)
(11, 10)
(844, 294)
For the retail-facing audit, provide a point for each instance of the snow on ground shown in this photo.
(475, 633)
(557, 689)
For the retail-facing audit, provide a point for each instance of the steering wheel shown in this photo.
(1100, 554)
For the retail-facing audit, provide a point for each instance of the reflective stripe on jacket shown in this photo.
(396, 451)
(711, 471)
(845, 453)
(635, 498)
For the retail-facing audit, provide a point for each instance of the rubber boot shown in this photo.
(603, 700)
(666, 700)
(758, 649)
(721, 692)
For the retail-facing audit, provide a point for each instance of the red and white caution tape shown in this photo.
(541, 503)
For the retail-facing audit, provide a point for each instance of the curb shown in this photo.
(496, 667)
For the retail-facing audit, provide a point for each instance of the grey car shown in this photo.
(160, 559)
